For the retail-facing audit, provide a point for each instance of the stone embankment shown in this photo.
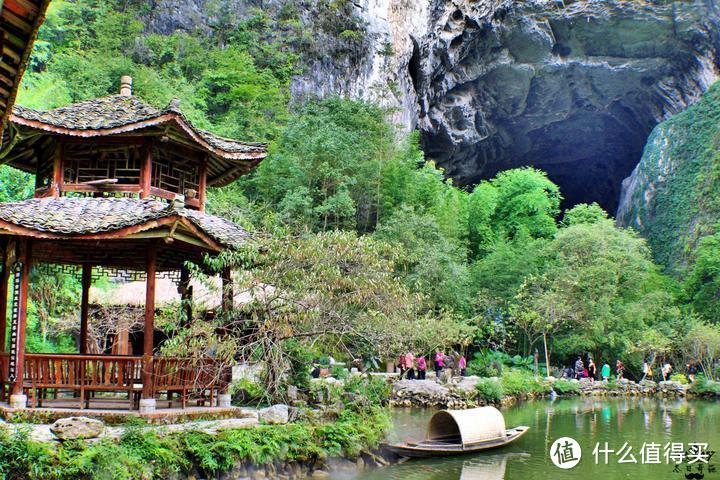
(461, 392)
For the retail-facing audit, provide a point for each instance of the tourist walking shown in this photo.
(448, 365)
(605, 372)
(579, 368)
(462, 365)
(438, 363)
(620, 369)
(592, 370)
(422, 367)
(410, 365)
(666, 371)
(691, 370)
(647, 371)
(401, 365)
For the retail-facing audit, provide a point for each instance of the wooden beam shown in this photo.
(202, 187)
(20, 311)
(146, 169)
(150, 269)
(85, 306)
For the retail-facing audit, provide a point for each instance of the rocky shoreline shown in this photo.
(461, 392)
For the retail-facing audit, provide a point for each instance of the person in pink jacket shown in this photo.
(439, 362)
(410, 365)
(462, 364)
(422, 367)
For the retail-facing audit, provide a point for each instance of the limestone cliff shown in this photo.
(573, 87)
(673, 195)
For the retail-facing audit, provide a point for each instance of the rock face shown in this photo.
(77, 428)
(275, 415)
(573, 87)
(669, 197)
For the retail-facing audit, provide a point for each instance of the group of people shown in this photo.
(589, 371)
(412, 367)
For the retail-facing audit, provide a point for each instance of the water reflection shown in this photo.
(488, 467)
(588, 420)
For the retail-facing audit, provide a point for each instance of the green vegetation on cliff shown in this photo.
(676, 199)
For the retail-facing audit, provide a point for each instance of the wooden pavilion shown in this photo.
(120, 191)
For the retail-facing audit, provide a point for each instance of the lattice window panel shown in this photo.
(45, 170)
(119, 275)
(174, 171)
(101, 194)
(85, 163)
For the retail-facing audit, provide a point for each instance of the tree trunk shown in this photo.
(547, 357)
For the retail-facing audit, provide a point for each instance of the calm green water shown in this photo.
(589, 421)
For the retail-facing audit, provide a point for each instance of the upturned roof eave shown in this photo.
(161, 119)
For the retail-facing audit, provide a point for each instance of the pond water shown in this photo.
(590, 421)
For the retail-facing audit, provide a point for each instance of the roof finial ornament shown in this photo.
(126, 85)
(174, 104)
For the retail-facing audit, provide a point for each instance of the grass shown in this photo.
(703, 386)
(565, 387)
(521, 383)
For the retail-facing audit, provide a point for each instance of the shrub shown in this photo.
(371, 390)
(703, 386)
(563, 386)
(490, 390)
(521, 382)
(679, 377)
(339, 372)
(248, 391)
(300, 359)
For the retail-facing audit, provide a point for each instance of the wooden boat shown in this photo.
(457, 432)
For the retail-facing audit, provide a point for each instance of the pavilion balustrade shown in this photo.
(87, 374)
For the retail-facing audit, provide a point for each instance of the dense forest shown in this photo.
(354, 216)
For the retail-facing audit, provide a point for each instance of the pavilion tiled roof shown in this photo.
(81, 216)
(117, 111)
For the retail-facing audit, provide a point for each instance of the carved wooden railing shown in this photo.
(82, 373)
(121, 373)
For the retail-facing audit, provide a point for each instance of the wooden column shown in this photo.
(57, 179)
(186, 295)
(4, 281)
(202, 187)
(151, 269)
(20, 297)
(146, 169)
(85, 306)
(227, 290)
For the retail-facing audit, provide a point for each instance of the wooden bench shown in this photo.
(85, 374)
(205, 377)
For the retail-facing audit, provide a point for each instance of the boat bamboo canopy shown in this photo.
(471, 426)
